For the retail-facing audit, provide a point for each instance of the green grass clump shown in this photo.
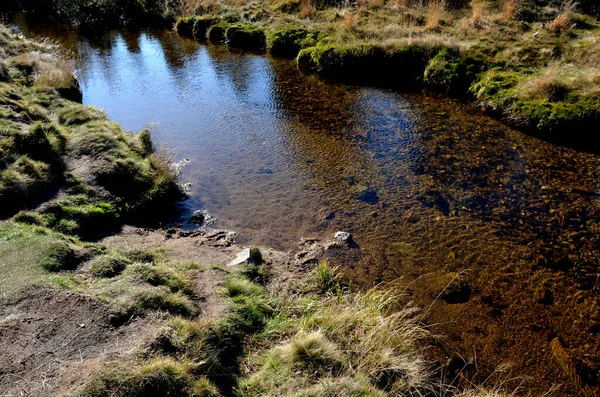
(287, 43)
(217, 32)
(185, 25)
(201, 26)
(142, 287)
(109, 265)
(156, 377)
(241, 286)
(128, 299)
(79, 114)
(28, 252)
(247, 37)
(325, 279)
(79, 215)
(159, 275)
(339, 344)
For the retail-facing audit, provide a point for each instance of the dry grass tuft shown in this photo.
(376, 4)
(477, 11)
(188, 7)
(435, 12)
(306, 9)
(562, 22)
(350, 21)
(510, 9)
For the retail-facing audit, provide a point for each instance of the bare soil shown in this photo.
(48, 332)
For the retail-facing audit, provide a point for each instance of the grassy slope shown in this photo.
(87, 171)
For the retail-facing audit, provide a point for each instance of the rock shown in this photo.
(367, 195)
(342, 237)
(242, 257)
(251, 256)
(544, 296)
(201, 218)
(456, 290)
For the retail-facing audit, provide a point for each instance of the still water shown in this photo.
(428, 186)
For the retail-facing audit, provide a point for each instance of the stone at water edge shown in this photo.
(251, 256)
(342, 237)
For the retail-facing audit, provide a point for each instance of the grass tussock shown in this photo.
(156, 377)
(562, 22)
(141, 287)
(342, 344)
(510, 9)
(29, 253)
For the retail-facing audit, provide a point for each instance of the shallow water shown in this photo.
(427, 185)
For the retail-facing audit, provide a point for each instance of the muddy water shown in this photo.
(432, 190)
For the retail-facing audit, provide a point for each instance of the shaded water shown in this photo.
(428, 186)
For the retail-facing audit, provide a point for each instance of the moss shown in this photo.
(201, 26)
(397, 66)
(288, 43)
(184, 26)
(453, 71)
(247, 37)
(217, 32)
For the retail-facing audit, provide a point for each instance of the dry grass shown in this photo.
(376, 4)
(559, 78)
(435, 12)
(510, 9)
(350, 21)
(188, 7)
(477, 11)
(306, 9)
(562, 22)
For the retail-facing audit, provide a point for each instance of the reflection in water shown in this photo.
(428, 186)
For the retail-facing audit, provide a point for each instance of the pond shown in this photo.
(432, 190)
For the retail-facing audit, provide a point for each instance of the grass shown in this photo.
(28, 254)
(157, 377)
(41, 131)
